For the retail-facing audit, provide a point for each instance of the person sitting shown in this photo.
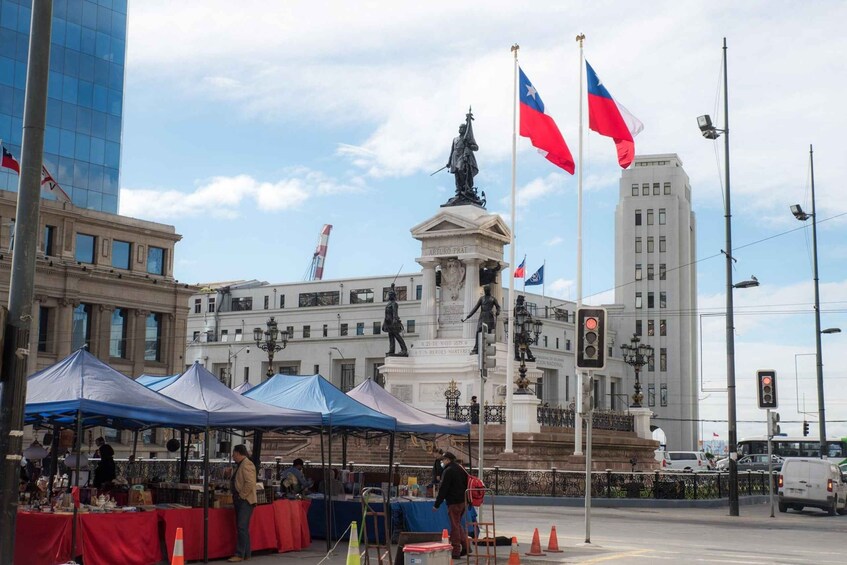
(293, 479)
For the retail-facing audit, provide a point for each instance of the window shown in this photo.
(567, 345)
(663, 359)
(651, 303)
(663, 271)
(663, 395)
(239, 335)
(81, 327)
(651, 364)
(153, 338)
(656, 189)
(117, 338)
(377, 328)
(645, 189)
(361, 296)
(399, 290)
(418, 292)
(635, 189)
(568, 377)
(307, 331)
(650, 271)
(651, 246)
(545, 341)
(638, 300)
(44, 318)
(111, 435)
(325, 331)
(348, 376)
(211, 307)
(198, 305)
(651, 395)
(84, 248)
(242, 304)
(290, 330)
(343, 330)
(638, 271)
(155, 260)
(557, 343)
(282, 301)
(50, 240)
(246, 374)
(638, 245)
(650, 217)
(663, 244)
(267, 302)
(663, 327)
(224, 335)
(148, 437)
(317, 370)
(638, 217)
(663, 299)
(360, 328)
(667, 188)
(663, 217)
(410, 326)
(328, 298)
(121, 252)
(651, 327)
(638, 326)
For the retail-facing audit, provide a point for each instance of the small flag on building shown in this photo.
(537, 277)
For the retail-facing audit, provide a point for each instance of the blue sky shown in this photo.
(248, 128)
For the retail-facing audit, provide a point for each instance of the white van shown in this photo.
(812, 482)
(688, 461)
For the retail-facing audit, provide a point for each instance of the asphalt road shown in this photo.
(645, 535)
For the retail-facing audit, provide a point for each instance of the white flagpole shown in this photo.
(577, 424)
(524, 274)
(510, 357)
(543, 297)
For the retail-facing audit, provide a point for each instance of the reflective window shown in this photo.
(117, 338)
(81, 327)
(84, 248)
(153, 338)
(361, 296)
(155, 260)
(121, 252)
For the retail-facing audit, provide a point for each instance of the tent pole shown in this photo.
(344, 451)
(470, 453)
(206, 498)
(327, 474)
(183, 455)
(134, 445)
(258, 435)
(54, 461)
(326, 498)
(390, 466)
(76, 481)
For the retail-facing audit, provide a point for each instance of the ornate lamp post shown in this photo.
(270, 340)
(637, 354)
(527, 331)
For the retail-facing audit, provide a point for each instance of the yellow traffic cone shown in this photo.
(353, 557)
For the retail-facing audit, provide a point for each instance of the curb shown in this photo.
(624, 502)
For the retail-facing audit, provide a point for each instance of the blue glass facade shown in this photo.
(82, 145)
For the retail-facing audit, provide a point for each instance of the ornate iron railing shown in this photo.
(494, 413)
(547, 416)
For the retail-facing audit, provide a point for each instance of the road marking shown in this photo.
(634, 553)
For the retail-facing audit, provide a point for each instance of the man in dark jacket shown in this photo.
(454, 484)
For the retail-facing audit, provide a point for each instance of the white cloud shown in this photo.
(561, 288)
(555, 240)
(222, 197)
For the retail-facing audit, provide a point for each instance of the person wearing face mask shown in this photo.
(454, 484)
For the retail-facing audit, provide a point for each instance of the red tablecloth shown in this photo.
(102, 539)
(292, 525)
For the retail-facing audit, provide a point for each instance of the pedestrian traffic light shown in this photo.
(773, 424)
(591, 338)
(487, 349)
(805, 428)
(587, 389)
(766, 388)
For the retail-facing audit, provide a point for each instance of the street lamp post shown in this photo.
(270, 340)
(636, 355)
(527, 332)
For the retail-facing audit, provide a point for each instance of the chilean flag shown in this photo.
(10, 162)
(520, 272)
(608, 117)
(540, 128)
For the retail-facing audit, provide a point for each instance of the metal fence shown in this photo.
(547, 416)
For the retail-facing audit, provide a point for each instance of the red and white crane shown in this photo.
(316, 269)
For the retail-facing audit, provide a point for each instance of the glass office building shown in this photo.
(82, 145)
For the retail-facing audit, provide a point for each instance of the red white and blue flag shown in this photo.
(9, 162)
(608, 117)
(540, 127)
(520, 272)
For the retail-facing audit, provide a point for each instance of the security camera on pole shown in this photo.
(766, 395)
(590, 355)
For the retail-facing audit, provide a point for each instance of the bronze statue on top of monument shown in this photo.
(489, 310)
(462, 164)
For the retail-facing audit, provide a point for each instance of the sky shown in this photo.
(249, 127)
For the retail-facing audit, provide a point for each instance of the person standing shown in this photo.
(454, 484)
(474, 410)
(243, 486)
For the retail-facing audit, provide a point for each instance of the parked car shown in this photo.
(688, 461)
(663, 458)
(759, 462)
(812, 482)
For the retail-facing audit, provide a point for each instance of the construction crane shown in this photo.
(316, 269)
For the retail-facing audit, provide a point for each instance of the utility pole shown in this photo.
(22, 283)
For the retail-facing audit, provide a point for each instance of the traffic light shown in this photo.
(591, 338)
(805, 428)
(773, 424)
(766, 388)
(487, 349)
(587, 388)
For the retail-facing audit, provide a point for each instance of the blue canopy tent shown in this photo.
(243, 387)
(156, 382)
(340, 413)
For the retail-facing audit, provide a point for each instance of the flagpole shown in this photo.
(543, 297)
(524, 274)
(510, 357)
(577, 450)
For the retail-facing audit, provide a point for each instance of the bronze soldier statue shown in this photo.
(393, 326)
(522, 313)
(489, 310)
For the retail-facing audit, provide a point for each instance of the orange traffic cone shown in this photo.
(553, 544)
(514, 556)
(178, 557)
(535, 549)
(445, 537)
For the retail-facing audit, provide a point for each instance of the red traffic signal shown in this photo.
(766, 388)
(590, 338)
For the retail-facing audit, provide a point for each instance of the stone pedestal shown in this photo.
(641, 422)
(525, 407)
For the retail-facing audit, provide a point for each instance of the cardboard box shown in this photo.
(140, 497)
